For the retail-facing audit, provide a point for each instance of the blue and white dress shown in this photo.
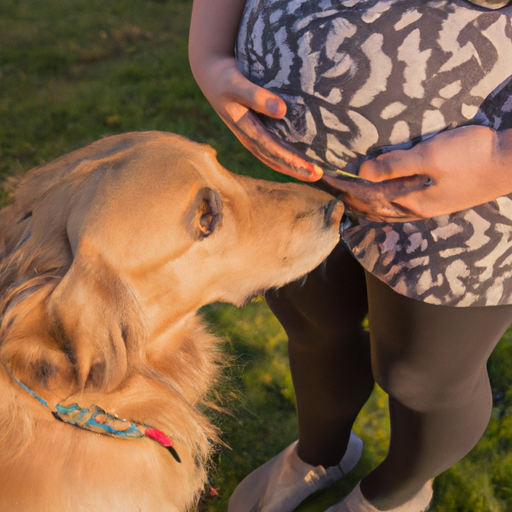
(364, 76)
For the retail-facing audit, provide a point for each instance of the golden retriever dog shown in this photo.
(106, 254)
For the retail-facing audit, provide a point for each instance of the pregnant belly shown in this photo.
(360, 77)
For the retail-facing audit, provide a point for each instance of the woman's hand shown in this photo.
(237, 100)
(452, 171)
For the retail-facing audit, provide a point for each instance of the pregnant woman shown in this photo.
(414, 96)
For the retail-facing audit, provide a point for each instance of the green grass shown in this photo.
(73, 71)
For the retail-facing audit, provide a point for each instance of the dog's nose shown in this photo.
(329, 209)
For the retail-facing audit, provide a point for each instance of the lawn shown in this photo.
(73, 71)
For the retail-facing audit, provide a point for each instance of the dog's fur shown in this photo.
(106, 254)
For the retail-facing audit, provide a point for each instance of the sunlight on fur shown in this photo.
(106, 254)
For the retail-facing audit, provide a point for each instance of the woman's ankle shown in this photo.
(401, 499)
(325, 451)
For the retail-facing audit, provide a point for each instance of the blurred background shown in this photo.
(72, 71)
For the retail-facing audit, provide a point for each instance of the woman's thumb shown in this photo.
(262, 101)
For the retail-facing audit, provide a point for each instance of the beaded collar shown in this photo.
(95, 419)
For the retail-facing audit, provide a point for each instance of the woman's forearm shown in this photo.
(213, 30)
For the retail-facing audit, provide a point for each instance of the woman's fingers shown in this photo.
(379, 200)
(395, 164)
(271, 150)
(262, 101)
(243, 92)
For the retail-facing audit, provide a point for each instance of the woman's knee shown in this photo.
(425, 389)
(307, 318)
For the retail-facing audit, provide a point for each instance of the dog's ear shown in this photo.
(80, 333)
(95, 319)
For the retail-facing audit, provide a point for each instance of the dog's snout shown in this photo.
(329, 210)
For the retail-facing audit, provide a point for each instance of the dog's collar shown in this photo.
(95, 419)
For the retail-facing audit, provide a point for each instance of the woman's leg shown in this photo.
(329, 353)
(431, 360)
(331, 368)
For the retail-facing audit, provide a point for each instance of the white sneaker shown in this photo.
(356, 502)
(283, 482)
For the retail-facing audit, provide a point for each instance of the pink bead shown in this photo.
(158, 436)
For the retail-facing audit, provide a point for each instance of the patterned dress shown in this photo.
(365, 76)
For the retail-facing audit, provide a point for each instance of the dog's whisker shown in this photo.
(302, 280)
(323, 270)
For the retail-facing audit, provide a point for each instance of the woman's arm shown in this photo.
(213, 31)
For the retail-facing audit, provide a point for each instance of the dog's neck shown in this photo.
(176, 330)
(95, 419)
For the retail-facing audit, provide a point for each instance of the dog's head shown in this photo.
(109, 252)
